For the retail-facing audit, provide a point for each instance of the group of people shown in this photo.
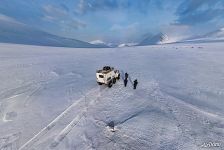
(126, 81)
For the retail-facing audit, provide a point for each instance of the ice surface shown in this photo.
(49, 98)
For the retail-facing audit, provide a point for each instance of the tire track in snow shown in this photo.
(178, 112)
(66, 130)
(53, 123)
(75, 121)
(46, 129)
(183, 113)
(9, 95)
(10, 142)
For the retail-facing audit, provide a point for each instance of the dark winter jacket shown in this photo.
(126, 75)
(135, 83)
(125, 82)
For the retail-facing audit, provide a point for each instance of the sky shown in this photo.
(117, 21)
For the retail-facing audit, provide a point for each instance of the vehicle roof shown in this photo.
(104, 71)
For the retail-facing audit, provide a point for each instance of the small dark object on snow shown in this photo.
(135, 83)
(125, 82)
(111, 125)
(126, 75)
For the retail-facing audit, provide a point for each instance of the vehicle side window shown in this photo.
(101, 76)
(108, 78)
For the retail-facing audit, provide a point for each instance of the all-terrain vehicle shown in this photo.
(108, 75)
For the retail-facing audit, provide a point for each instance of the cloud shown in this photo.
(194, 12)
(75, 24)
(176, 32)
(59, 15)
(4, 18)
(57, 12)
(121, 20)
(125, 33)
(63, 6)
(94, 5)
(85, 6)
(130, 27)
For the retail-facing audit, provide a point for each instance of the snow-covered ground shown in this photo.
(49, 98)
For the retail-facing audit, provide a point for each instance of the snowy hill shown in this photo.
(218, 34)
(49, 98)
(12, 31)
(215, 36)
(127, 44)
(123, 45)
(154, 39)
(99, 43)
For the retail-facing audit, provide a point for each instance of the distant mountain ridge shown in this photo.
(127, 44)
(12, 31)
(214, 36)
(159, 38)
(99, 43)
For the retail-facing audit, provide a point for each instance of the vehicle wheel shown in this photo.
(110, 84)
(114, 80)
(99, 83)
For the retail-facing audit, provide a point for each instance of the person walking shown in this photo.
(126, 75)
(125, 82)
(135, 83)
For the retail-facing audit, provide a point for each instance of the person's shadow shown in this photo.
(122, 74)
(131, 80)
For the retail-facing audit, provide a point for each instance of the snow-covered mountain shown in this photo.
(127, 44)
(123, 45)
(159, 38)
(214, 36)
(12, 31)
(218, 34)
(111, 45)
(99, 43)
